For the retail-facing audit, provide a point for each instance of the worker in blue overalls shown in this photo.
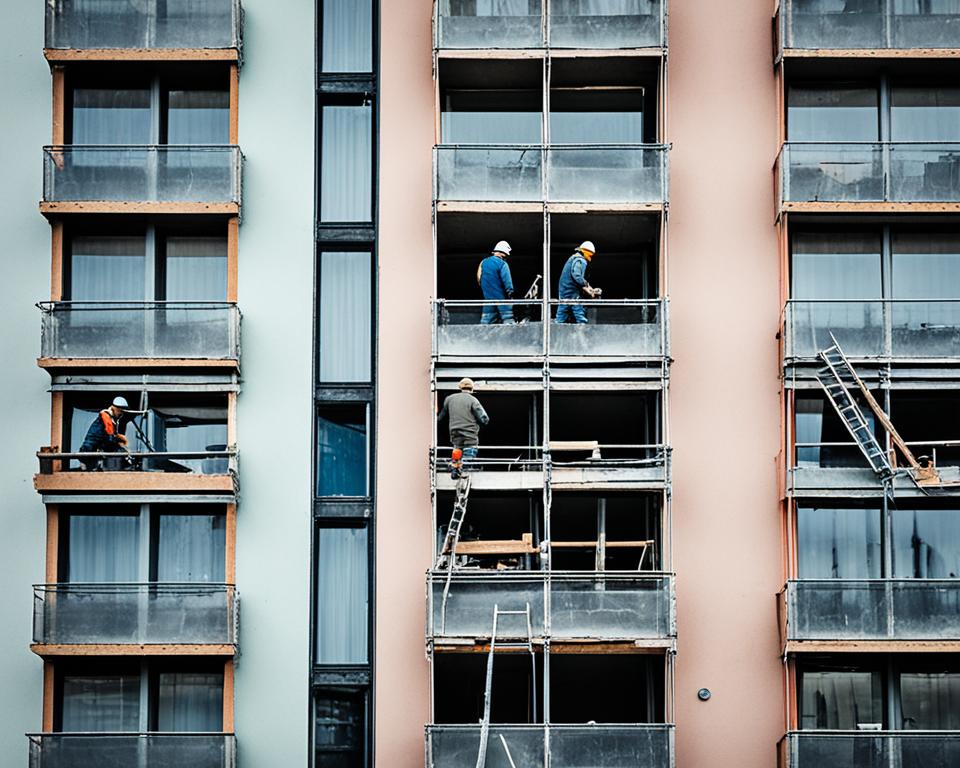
(573, 284)
(495, 281)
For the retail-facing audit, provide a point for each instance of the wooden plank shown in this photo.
(579, 646)
(132, 362)
(51, 572)
(119, 482)
(604, 207)
(235, 104)
(56, 260)
(873, 646)
(233, 257)
(871, 207)
(465, 206)
(574, 445)
(48, 208)
(140, 54)
(49, 691)
(498, 546)
(117, 649)
(59, 105)
(228, 697)
(871, 53)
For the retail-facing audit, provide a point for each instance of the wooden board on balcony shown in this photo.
(61, 55)
(133, 362)
(120, 206)
(132, 649)
(119, 482)
(499, 546)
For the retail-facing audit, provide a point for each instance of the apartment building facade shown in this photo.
(672, 550)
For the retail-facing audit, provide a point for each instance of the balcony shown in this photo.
(209, 471)
(565, 606)
(869, 749)
(811, 25)
(567, 24)
(525, 468)
(75, 26)
(634, 175)
(831, 176)
(880, 330)
(151, 179)
(617, 330)
(136, 614)
(565, 746)
(117, 333)
(887, 610)
(157, 750)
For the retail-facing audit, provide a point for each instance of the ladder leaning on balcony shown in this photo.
(837, 377)
(450, 541)
(488, 687)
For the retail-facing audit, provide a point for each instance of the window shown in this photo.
(345, 317)
(924, 114)
(600, 116)
(836, 265)
(841, 699)
(839, 543)
(195, 268)
(107, 268)
(833, 114)
(822, 439)
(100, 702)
(346, 163)
(340, 721)
(112, 116)
(342, 452)
(342, 616)
(346, 44)
(930, 701)
(492, 116)
(198, 117)
(190, 701)
(142, 543)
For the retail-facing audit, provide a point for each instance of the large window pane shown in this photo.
(342, 560)
(817, 426)
(596, 117)
(840, 699)
(492, 117)
(111, 116)
(190, 701)
(342, 460)
(101, 703)
(346, 44)
(196, 269)
(103, 548)
(832, 114)
(107, 268)
(198, 117)
(339, 734)
(926, 543)
(924, 114)
(346, 164)
(926, 266)
(191, 548)
(192, 428)
(838, 543)
(930, 701)
(836, 265)
(344, 337)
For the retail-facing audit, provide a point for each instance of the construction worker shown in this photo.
(573, 283)
(104, 435)
(493, 276)
(466, 416)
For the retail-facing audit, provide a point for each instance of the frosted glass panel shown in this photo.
(342, 595)
(345, 317)
(346, 164)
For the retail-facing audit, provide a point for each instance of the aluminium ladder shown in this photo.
(488, 687)
(450, 541)
(836, 376)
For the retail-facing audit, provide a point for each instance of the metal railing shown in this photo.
(880, 24)
(881, 329)
(212, 462)
(558, 746)
(86, 24)
(863, 749)
(137, 614)
(551, 23)
(853, 172)
(846, 454)
(198, 330)
(872, 609)
(563, 604)
(157, 750)
(142, 173)
(616, 328)
(621, 173)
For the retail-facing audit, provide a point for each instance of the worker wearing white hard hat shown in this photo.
(574, 286)
(496, 283)
(105, 434)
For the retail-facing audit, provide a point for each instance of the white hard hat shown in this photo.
(502, 247)
(587, 245)
(466, 384)
(121, 402)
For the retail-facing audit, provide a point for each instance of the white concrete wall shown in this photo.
(25, 126)
(275, 405)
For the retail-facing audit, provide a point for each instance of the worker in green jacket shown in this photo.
(465, 416)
